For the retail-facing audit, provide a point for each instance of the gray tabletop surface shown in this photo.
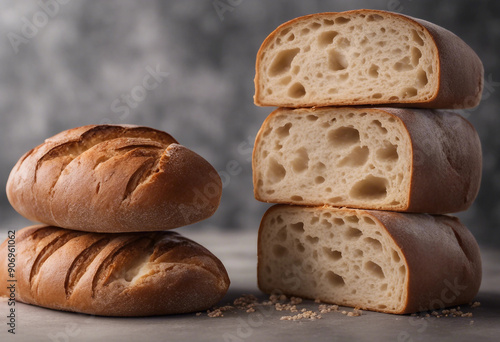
(238, 252)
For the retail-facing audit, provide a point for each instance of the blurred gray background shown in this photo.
(69, 63)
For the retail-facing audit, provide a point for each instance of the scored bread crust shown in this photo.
(459, 69)
(134, 274)
(114, 178)
(441, 258)
(445, 167)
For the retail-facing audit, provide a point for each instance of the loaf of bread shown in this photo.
(374, 260)
(127, 274)
(412, 160)
(366, 57)
(108, 178)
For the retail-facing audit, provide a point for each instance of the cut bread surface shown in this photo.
(345, 258)
(359, 57)
(382, 261)
(413, 160)
(346, 156)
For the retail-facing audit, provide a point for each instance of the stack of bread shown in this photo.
(105, 194)
(362, 189)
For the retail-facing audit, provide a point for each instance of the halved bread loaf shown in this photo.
(134, 274)
(114, 178)
(375, 260)
(372, 158)
(366, 57)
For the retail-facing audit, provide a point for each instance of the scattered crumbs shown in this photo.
(250, 303)
(323, 308)
(475, 305)
(452, 312)
(471, 322)
(304, 315)
(215, 313)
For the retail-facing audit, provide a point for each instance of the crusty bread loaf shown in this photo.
(128, 274)
(375, 260)
(412, 160)
(366, 57)
(109, 178)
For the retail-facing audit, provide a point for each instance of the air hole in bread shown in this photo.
(395, 256)
(374, 17)
(343, 136)
(297, 227)
(338, 221)
(315, 26)
(283, 131)
(402, 270)
(297, 90)
(352, 219)
(352, 233)
(373, 71)
(336, 60)
(319, 180)
(368, 220)
(301, 161)
(416, 38)
(358, 253)
(326, 38)
(357, 157)
(342, 20)
(275, 171)
(370, 188)
(377, 96)
(295, 70)
(291, 37)
(403, 64)
(312, 117)
(335, 199)
(379, 126)
(282, 62)
(334, 279)
(304, 31)
(327, 224)
(416, 54)
(282, 234)
(333, 91)
(389, 153)
(422, 78)
(300, 246)
(374, 243)
(328, 22)
(374, 269)
(314, 220)
(312, 240)
(296, 198)
(279, 251)
(409, 92)
(285, 80)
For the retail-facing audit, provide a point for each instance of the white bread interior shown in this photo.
(341, 157)
(357, 57)
(345, 257)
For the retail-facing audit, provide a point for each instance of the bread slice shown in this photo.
(412, 160)
(134, 274)
(374, 260)
(366, 57)
(114, 178)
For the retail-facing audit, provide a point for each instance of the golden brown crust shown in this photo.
(460, 70)
(442, 258)
(134, 274)
(446, 160)
(110, 178)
